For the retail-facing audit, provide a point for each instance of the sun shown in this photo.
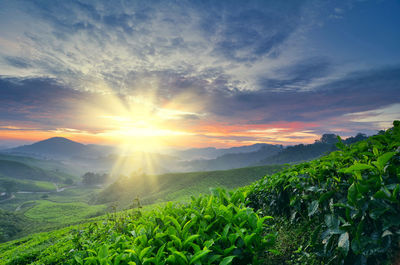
(139, 124)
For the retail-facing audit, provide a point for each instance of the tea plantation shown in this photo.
(343, 208)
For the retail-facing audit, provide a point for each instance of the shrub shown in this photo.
(215, 229)
(353, 194)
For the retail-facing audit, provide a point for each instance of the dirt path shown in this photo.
(12, 197)
(41, 192)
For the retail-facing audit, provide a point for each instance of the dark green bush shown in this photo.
(353, 194)
(215, 229)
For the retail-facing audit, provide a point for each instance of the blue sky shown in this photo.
(213, 72)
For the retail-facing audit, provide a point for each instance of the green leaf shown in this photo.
(383, 159)
(332, 222)
(78, 260)
(382, 194)
(229, 250)
(344, 242)
(386, 233)
(199, 255)
(352, 194)
(181, 255)
(326, 196)
(103, 252)
(226, 230)
(312, 208)
(175, 222)
(356, 167)
(249, 238)
(375, 151)
(227, 260)
(190, 239)
(177, 241)
(144, 252)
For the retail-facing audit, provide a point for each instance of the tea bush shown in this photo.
(352, 195)
(214, 229)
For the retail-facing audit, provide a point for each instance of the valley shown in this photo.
(41, 195)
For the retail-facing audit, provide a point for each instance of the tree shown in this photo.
(329, 138)
(9, 186)
(91, 178)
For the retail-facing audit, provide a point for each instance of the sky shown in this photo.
(197, 73)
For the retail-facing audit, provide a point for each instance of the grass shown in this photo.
(62, 213)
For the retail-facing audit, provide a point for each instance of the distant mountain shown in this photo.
(306, 152)
(269, 154)
(60, 147)
(233, 160)
(212, 152)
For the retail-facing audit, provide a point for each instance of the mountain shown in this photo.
(235, 160)
(306, 152)
(268, 154)
(212, 152)
(60, 147)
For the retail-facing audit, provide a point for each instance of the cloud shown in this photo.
(17, 62)
(220, 62)
(298, 76)
(84, 43)
(356, 92)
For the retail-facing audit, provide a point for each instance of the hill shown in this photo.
(342, 208)
(52, 165)
(269, 155)
(17, 170)
(60, 148)
(229, 161)
(346, 205)
(212, 152)
(178, 186)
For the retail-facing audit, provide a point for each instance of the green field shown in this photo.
(62, 213)
(343, 208)
(180, 186)
(43, 211)
(30, 185)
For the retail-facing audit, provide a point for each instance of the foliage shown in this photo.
(90, 178)
(10, 225)
(47, 211)
(43, 248)
(350, 196)
(18, 170)
(26, 185)
(180, 186)
(215, 229)
(8, 185)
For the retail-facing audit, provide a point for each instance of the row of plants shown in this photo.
(341, 209)
(213, 229)
(349, 201)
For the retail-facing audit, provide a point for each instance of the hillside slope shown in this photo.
(17, 170)
(344, 208)
(229, 161)
(178, 186)
(348, 202)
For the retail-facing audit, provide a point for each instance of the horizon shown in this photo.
(4, 146)
(157, 75)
